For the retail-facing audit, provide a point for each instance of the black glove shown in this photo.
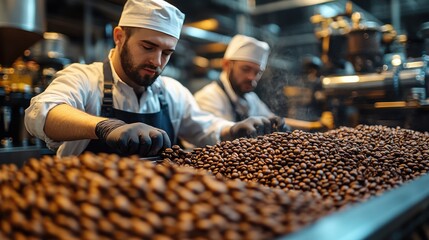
(134, 138)
(278, 124)
(251, 127)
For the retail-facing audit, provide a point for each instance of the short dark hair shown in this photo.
(128, 31)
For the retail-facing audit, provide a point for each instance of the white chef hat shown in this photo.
(157, 15)
(249, 49)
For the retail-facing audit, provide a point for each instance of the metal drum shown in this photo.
(364, 48)
(22, 23)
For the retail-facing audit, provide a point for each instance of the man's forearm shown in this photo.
(66, 123)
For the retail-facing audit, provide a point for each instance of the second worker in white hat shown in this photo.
(232, 96)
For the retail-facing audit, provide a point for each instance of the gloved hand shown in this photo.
(134, 138)
(278, 124)
(251, 127)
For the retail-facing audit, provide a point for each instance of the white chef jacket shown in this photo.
(212, 98)
(81, 86)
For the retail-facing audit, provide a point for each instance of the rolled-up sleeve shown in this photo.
(71, 86)
(35, 118)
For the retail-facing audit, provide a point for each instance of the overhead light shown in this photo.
(284, 5)
(396, 60)
(205, 35)
(209, 24)
(201, 62)
(215, 47)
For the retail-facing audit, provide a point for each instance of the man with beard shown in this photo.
(123, 105)
(232, 96)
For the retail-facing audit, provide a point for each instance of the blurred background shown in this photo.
(364, 61)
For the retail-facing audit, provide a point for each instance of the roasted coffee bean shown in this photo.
(119, 220)
(65, 204)
(161, 207)
(141, 228)
(106, 226)
(67, 222)
(122, 203)
(90, 210)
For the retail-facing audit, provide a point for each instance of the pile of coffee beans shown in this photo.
(347, 165)
(248, 188)
(109, 197)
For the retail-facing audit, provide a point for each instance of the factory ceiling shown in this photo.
(282, 18)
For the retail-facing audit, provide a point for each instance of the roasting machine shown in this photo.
(368, 77)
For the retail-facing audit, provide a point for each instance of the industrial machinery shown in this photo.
(22, 24)
(367, 77)
(395, 97)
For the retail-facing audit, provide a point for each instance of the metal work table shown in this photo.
(19, 155)
(402, 213)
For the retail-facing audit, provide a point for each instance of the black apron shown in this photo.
(237, 115)
(159, 120)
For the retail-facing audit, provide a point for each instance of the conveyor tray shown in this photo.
(402, 213)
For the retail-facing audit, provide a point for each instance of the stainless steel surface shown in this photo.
(154, 159)
(20, 155)
(23, 14)
(383, 217)
(22, 23)
(372, 80)
(412, 74)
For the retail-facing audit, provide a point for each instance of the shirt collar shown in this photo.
(228, 88)
(241, 104)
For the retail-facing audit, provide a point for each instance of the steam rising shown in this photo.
(285, 70)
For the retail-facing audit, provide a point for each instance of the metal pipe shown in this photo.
(88, 23)
(395, 8)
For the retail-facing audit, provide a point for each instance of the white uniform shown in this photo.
(81, 86)
(212, 98)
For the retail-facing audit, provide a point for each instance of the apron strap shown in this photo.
(237, 115)
(107, 105)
